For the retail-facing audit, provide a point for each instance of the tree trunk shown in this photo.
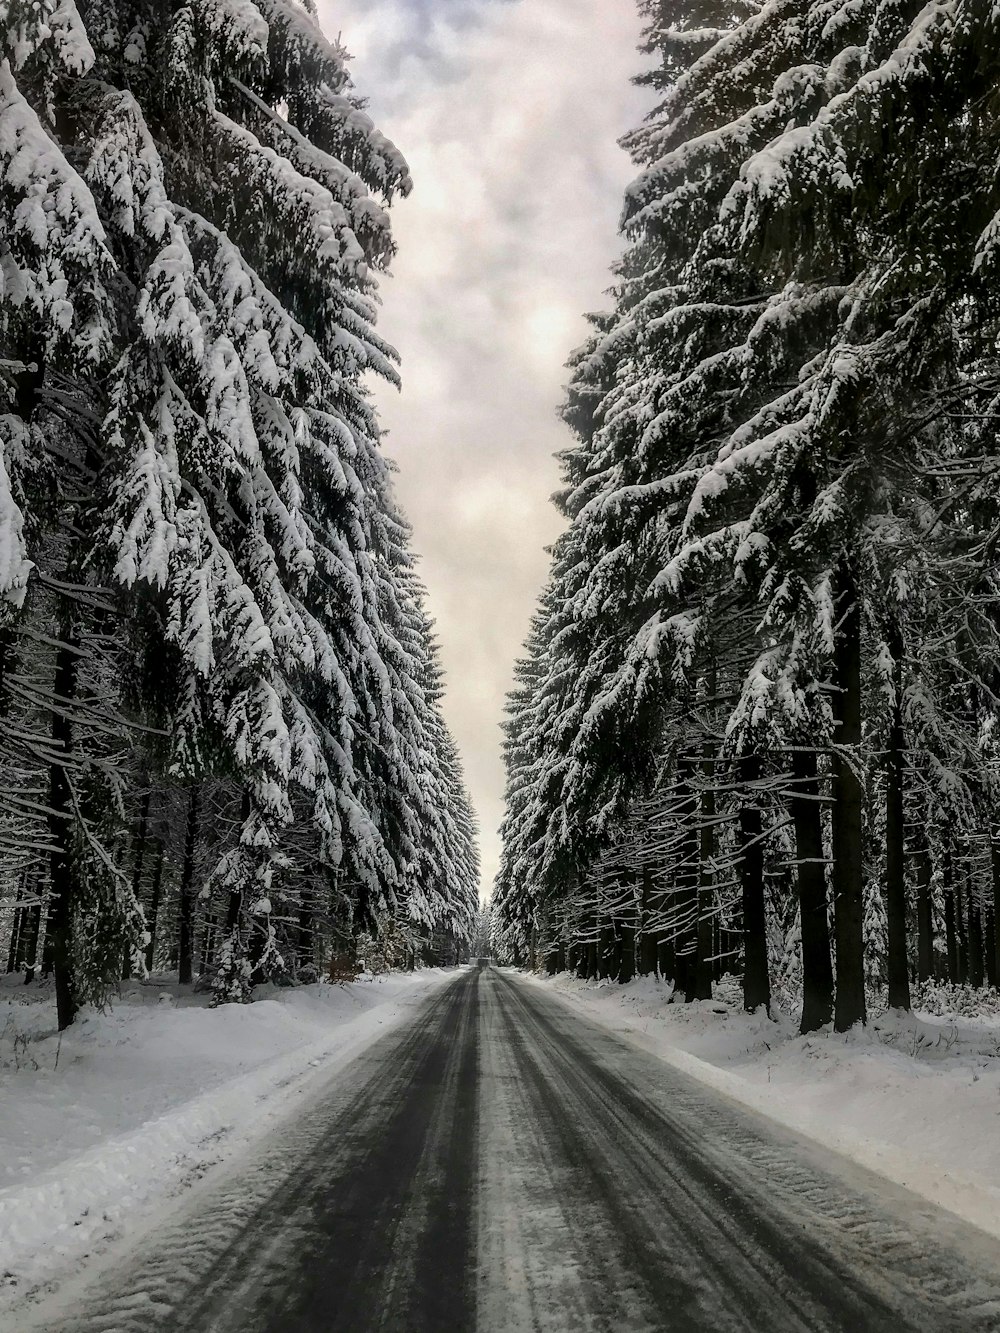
(605, 951)
(647, 956)
(304, 939)
(33, 930)
(895, 862)
(848, 864)
(186, 900)
(951, 934)
(16, 936)
(961, 930)
(925, 917)
(666, 963)
(990, 949)
(995, 865)
(235, 906)
(807, 820)
(140, 845)
(975, 927)
(140, 855)
(617, 951)
(686, 880)
(756, 981)
(64, 881)
(626, 970)
(154, 904)
(705, 933)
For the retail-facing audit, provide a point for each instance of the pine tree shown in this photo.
(768, 445)
(190, 458)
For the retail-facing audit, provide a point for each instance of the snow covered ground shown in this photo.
(916, 1098)
(133, 1105)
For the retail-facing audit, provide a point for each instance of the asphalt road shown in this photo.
(500, 1164)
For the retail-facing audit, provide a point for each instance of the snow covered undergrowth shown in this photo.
(914, 1097)
(134, 1104)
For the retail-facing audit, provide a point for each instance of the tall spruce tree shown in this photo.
(194, 201)
(772, 422)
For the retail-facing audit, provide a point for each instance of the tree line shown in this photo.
(755, 726)
(222, 747)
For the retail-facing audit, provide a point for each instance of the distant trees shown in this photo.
(756, 719)
(220, 693)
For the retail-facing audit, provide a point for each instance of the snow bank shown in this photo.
(133, 1105)
(914, 1097)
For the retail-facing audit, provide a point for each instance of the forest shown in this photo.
(754, 727)
(222, 745)
(718, 1049)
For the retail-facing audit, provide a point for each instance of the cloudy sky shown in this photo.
(508, 112)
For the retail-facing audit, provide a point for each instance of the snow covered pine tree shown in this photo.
(194, 210)
(781, 470)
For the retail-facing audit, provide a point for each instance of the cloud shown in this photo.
(508, 112)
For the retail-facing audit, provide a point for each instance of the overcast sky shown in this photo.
(508, 112)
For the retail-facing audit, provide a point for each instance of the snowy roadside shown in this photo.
(148, 1097)
(915, 1098)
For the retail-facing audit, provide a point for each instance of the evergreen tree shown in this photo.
(770, 423)
(194, 208)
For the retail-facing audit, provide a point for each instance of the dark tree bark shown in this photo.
(666, 963)
(995, 865)
(686, 885)
(63, 875)
(140, 856)
(961, 930)
(705, 934)
(14, 961)
(235, 906)
(975, 929)
(185, 939)
(950, 930)
(615, 956)
(848, 863)
(756, 981)
(646, 964)
(141, 839)
(593, 970)
(925, 916)
(154, 904)
(990, 947)
(605, 954)
(304, 938)
(32, 931)
(807, 820)
(626, 969)
(895, 859)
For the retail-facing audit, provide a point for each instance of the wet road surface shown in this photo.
(501, 1164)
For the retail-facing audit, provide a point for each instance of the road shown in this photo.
(501, 1164)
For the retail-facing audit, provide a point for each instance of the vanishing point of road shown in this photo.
(500, 1164)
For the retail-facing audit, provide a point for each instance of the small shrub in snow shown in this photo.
(943, 999)
(729, 990)
(15, 1047)
(233, 983)
(387, 947)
